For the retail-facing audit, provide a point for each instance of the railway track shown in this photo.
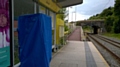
(115, 43)
(112, 47)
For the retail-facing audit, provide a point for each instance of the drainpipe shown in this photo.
(12, 1)
(39, 8)
(55, 32)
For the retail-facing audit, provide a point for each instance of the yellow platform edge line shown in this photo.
(100, 55)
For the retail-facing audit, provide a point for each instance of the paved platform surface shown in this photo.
(78, 54)
(76, 35)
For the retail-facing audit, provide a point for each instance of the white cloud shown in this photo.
(89, 8)
(77, 16)
(81, 17)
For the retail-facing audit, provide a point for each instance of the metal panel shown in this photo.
(60, 0)
(52, 17)
(67, 3)
(49, 4)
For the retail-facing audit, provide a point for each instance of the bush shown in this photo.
(16, 54)
(66, 28)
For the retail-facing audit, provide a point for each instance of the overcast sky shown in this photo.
(88, 8)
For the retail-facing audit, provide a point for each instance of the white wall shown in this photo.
(61, 31)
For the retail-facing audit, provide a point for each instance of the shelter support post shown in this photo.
(55, 32)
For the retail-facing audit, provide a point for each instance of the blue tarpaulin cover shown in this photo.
(35, 40)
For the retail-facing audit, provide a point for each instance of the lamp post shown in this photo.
(72, 16)
(75, 12)
(68, 14)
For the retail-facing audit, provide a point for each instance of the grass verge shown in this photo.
(113, 35)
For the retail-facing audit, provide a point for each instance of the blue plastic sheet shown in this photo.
(35, 40)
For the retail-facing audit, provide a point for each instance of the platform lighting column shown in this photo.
(69, 13)
(75, 16)
(72, 16)
(75, 13)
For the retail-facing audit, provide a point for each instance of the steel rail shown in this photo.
(111, 52)
(109, 41)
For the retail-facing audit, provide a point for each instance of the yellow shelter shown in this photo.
(59, 29)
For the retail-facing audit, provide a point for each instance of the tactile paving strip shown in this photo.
(90, 62)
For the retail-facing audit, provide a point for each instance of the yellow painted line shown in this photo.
(100, 56)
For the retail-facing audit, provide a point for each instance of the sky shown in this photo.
(87, 9)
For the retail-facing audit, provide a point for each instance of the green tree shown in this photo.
(109, 23)
(111, 16)
(66, 28)
(107, 12)
(108, 15)
(117, 8)
(116, 26)
(63, 13)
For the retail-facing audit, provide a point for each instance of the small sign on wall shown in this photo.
(5, 33)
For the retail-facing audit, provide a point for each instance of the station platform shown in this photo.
(78, 54)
